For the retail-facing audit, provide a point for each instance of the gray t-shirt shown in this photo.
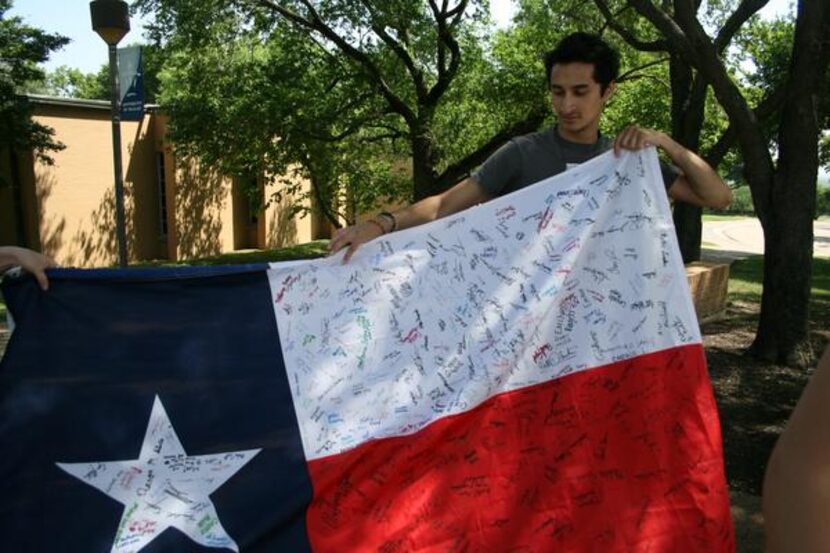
(533, 157)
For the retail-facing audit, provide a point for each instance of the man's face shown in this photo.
(577, 98)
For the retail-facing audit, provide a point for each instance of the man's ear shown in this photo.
(609, 91)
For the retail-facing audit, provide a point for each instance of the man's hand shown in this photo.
(636, 138)
(698, 183)
(33, 262)
(353, 237)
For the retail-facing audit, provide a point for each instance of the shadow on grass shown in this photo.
(756, 398)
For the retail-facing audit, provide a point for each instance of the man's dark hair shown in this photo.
(586, 48)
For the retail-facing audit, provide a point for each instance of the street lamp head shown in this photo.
(110, 19)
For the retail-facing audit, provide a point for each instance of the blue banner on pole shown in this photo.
(131, 80)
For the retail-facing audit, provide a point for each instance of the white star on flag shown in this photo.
(165, 487)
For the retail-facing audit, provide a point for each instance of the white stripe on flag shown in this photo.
(577, 271)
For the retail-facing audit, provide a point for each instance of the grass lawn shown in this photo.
(746, 275)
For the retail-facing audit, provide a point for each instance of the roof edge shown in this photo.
(45, 100)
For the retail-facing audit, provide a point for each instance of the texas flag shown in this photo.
(524, 376)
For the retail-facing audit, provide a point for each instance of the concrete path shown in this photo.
(723, 240)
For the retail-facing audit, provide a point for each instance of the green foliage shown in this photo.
(255, 92)
(67, 82)
(764, 51)
(298, 103)
(21, 48)
(243, 106)
(823, 201)
(824, 147)
(765, 46)
(741, 202)
(152, 58)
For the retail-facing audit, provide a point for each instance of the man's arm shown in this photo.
(34, 262)
(466, 193)
(699, 184)
(796, 498)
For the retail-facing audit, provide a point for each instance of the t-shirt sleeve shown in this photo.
(500, 169)
(670, 174)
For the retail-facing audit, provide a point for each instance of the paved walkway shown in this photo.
(725, 240)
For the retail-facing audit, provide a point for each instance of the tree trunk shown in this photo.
(788, 252)
(689, 228)
(687, 109)
(788, 228)
(424, 157)
(323, 204)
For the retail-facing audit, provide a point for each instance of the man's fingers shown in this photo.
(338, 242)
(349, 253)
(632, 138)
(353, 237)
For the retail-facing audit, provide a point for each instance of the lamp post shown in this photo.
(111, 20)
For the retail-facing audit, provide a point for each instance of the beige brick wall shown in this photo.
(70, 207)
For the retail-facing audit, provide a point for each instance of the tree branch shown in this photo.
(627, 75)
(400, 51)
(315, 23)
(626, 34)
(765, 109)
(446, 40)
(694, 46)
(742, 13)
(675, 35)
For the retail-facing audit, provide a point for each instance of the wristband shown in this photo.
(391, 217)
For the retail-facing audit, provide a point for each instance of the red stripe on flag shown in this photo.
(625, 457)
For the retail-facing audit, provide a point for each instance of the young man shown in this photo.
(581, 72)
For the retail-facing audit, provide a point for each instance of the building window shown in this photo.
(162, 184)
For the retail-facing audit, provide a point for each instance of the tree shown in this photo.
(282, 108)
(21, 49)
(293, 96)
(399, 59)
(784, 194)
(767, 46)
(693, 108)
(68, 82)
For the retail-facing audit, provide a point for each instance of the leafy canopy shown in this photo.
(21, 48)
